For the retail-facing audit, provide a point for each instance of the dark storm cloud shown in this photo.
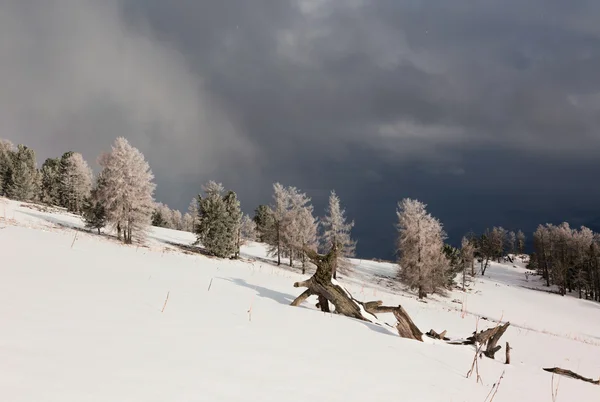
(451, 102)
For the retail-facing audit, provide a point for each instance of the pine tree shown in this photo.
(234, 221)
(94, 213)
(25, 179)
(51, 183)
(7, 151)
(420, 245)
(336, 230)
(264, 222)
(76, 181)
(127, 191)
(218, 224)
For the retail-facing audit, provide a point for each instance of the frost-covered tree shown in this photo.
(234, 220)
(176, 220)
(306, 228)
(193, 211)
(127, 192)
(7, 150)
(25, 180)
(162, 216)
(420, 245)
(337, 230)
(467, 258)
(218, 223)
(278, 213)
(51, 182)
(520, 242)
(511, 242)
(248, 229)
(188, 222)
(299, 224)
(76, 181)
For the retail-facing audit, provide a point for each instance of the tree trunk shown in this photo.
(507, 353)
(328, 290)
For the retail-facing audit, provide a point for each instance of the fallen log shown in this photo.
(329, 290)
(570, 374)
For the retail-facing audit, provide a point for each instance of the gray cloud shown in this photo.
(75, 74)
(448, 101)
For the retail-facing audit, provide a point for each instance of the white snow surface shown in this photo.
(81, 320)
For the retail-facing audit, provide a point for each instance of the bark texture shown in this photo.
(329, 290)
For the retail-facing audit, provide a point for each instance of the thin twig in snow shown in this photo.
(166, 300)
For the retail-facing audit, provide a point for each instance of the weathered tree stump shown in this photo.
(329, 290)
(508, 348)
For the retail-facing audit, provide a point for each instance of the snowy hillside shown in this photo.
(81, 320)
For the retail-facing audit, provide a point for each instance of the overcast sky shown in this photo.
(488, 111)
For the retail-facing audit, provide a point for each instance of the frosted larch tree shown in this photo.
(511, 243)
(278, 212)
(188, 222)
(420, 245)
(176, 219)
(298, 214)
(127, 193)
(248, 229)
(467, 258)
(520, 242)
(337, 230)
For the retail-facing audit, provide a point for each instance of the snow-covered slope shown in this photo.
(81, 320)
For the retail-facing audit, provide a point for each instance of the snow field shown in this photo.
(80, 320)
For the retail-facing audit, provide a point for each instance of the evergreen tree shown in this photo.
(76, 181)
(127, 190)
(218, 221)
(264, 222)
(25, 178)
(51, 182)
(94, 213)
(234, 220)
(7, 150)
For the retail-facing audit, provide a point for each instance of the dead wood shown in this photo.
(508, 348)
(329, 290)
(435, 335)
(569, 373)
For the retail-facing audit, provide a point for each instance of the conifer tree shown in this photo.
(263, 219)
(218, 222)
(25, 178)
(94, 213)
(76, 181)
(7, 150)
(51, 182)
